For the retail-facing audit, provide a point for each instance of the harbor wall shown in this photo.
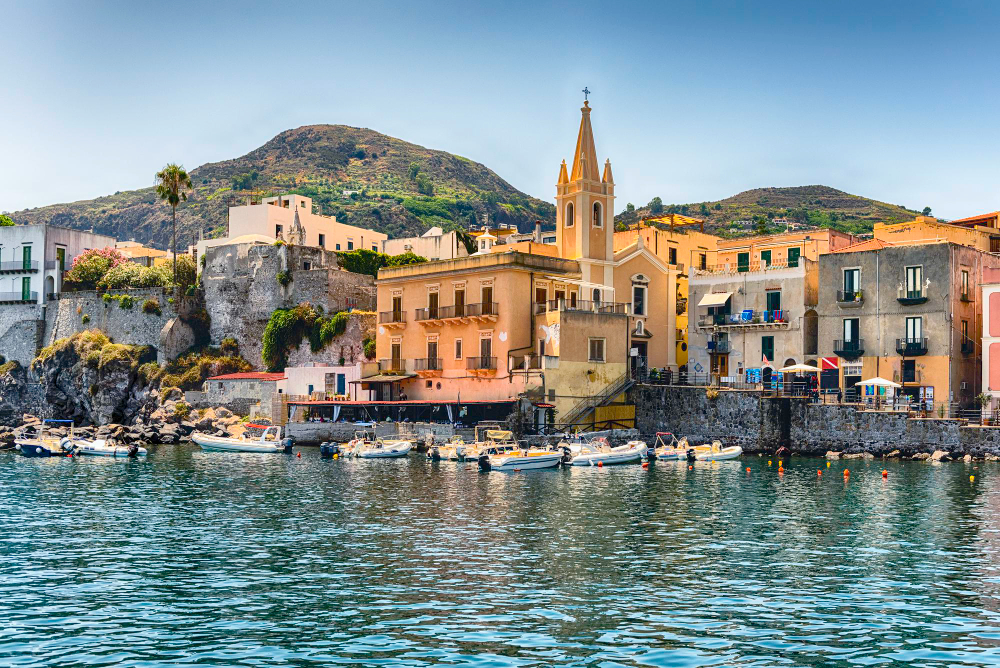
(762, 424)
(21, 328)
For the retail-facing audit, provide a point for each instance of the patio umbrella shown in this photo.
(878, 381)
(799, 368)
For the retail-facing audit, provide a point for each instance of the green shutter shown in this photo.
(743, 262)
(793, 257)
(26, 265)
(26, 288)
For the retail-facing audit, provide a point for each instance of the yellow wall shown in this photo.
(811, 244)
(925, 229)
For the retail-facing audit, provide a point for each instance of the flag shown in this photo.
(766, 362)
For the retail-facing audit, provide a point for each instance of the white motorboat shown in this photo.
(44, 443)
(718, 453)
(670, 448)
(500, 452)
(365, 445)
(257, 438)
(105, 448)
(455, 450)
(598, 452)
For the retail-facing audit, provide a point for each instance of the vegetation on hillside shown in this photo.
(364, 261)
(96, 350)
(287, 328)
(193, 368)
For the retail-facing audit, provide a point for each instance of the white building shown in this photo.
(434, 244)
(34, 257)
(291, 219)
(324, 382)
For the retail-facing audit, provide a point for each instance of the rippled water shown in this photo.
(218, 559)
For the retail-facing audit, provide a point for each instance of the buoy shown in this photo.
(517, 470)
(645, 465)
(298, 454)
(748, 469)
(768, 462)
(779, 463)
(336, 456)
(819, 471)
(972, 478)
(828, 465)
(885, 473)
(846, 473)
(690, 467)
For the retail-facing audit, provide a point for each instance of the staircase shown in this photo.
(583, 407)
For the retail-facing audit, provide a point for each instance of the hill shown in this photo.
(361, 176)
(809, 206)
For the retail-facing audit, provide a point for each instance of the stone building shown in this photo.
(754, 305)
(910, 312)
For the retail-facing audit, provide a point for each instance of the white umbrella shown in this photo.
(878, 381)
(799, 368)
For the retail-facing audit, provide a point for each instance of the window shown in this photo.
(61, 258)
(793, 256)
(639, 327)
(774, 300)
(596, 350)
(703, 261)
(672, 255)
(486, 351)
(914, 282)
(397, 309)
(541, 295)
(26, 257)
(432, 355)
(432, 305)
(597, 295)
(26, 289)
(767, 348)
(322, 241)
(965, 284)
(306, 266)
(965, 331)
(765, 258)
(914, 329)
(458, 349)
(277, 231)
(852, 331)
(852, 278)
(909, 371)
(638, 300)
(598, 221)
(374, 248)
(568, 222)
(487, 294)
(310, 390)
(341, 383)
(743, 262)
(338, 246)
(350, 244)
(459, 303)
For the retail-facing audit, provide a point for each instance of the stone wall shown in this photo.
(349, 345)
(242, 291)
(762, 424)
(21, 330)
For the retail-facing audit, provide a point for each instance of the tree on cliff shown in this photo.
(171, 183)
(6, 221)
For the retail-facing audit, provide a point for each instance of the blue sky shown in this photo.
(692, 101)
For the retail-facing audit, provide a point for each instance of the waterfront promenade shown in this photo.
(195, 558)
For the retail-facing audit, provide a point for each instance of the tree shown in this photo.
(90, 267)
(704, 209)
(6, 221)
(656, 206)
(630, 207)
(414, 170)
(171, 183)
(760, 225)
(927, 211)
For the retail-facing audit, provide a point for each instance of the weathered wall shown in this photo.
(20, 331)
(242, 291)
(762, 424)
(64, 317)
(349, 345)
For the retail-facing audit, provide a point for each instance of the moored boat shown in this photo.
(366, 445)
(43, 443)
(598, 452)
(716, 453)
(257, 438)
(106, 448)
(669, 448)
(500, 452)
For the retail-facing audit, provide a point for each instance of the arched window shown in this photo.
(639, 327)
(569, 216)
(597, 295)
(598, 219)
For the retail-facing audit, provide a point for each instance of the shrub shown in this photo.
(152, 307)
(190, 291)
(89, 267)
(132, 275)
(125, 301)
(106, 298)
(364, 261)
(285, 330)
(85, 319)
(278, 242)
(190, 370)
(284, 277)
(182, 410)
(369, 348)
(229, 346)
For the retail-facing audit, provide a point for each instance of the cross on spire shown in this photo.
(586, 93)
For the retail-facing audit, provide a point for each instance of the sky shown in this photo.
(692, 101)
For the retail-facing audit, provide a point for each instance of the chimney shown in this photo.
(538, 231)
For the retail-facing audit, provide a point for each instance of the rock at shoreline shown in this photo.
(940, 456)
(922, 455)
(832, 455)
(967, 459)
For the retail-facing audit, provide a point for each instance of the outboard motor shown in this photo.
(326, 450)
(484, 463)
(133, 451)
(434, 454)
(690, 455)
(567, 455)
(287, 444)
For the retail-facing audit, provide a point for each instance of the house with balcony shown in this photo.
(910, 311)
(753, 305)
(34, 257)
(568, 326)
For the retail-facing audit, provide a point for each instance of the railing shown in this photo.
(719, 347)
(965, 297)
(746, 318)
(18, 297)
(911, 346)
(392, 365)
(427, 364)
(849, 349)
(485, 308)
(904, 296)
(50, 264)
(390, 317)
(583, 407)
(435, 313)
(907, 376)
(743, 268)
(19, 265)
(480, 362)
(968, 346)
(850, 297)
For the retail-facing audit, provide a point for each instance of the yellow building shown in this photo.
(979, 232)
(680, 244)
(148, 257)
(568, 328)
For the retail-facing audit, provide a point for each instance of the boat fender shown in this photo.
(484, 463)
(748, 469)
(819, 472)
(846, 473)
(645, 465)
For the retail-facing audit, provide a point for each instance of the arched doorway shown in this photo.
(810, 332)
(50, 287)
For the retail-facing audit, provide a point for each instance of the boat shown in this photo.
(43, 443)
(256, 438)
(500, 452)
(106, 448)
(717, 453)
(598, 452)
(456, 449)
(669, 448)
(366, 445)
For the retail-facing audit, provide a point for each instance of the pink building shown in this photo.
(991, 334)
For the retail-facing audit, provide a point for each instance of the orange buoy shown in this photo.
(846, 473)
(885, 473)
(298, 454)
(690, 467)
(600, 465)
(819, 471)
(645, 465)
(748, 469)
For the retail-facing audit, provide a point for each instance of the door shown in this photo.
(765, 258)
(397, 309)
(488, 308)
(485, 353)
(341, 384)
(914, 282)
(793, 256)
(26, 288)
(852, 334)
(459, 303)
(541, 295)
(61, 258)
(914, 331)
(851, 279)
(743, 262)
(432, 305)
(639, 363)
(397, 357)
(773, 301)
(432, 356)
(26, 258)
(767, 348)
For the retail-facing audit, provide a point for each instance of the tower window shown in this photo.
(598, 220)
(569, 215)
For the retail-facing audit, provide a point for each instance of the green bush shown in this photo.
(229, 346)
(190, 370)
(132, 275)
(152, 307)
(284, 277)
(369, 347)
(90, 266)
(364, 261)
(125, 301)
(182, 410)
(106, 298)
(85, 319)
(284, 331)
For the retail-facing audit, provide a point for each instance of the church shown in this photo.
(569, 326)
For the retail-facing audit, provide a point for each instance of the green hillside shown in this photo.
(361, 176)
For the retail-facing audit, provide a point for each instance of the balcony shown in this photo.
(465, 313)
(481, 365)
(748, 318)
(18, 267)
(850, 298)
(748, 267)
(18, 297)
(392, 319)
(911, 347)
(427, 367)
(849, 350)
(908, 376)
(911, 297)
(394, 366)
(719, 346)
(968, 346)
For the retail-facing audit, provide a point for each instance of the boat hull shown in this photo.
(525, 463)
(38, 449)
(607, 458)
(222, 444)
(95, 450)
(394, 451)
(733, 452)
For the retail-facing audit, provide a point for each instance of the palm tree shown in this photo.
(171, 182)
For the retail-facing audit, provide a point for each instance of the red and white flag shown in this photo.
(766, 362)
